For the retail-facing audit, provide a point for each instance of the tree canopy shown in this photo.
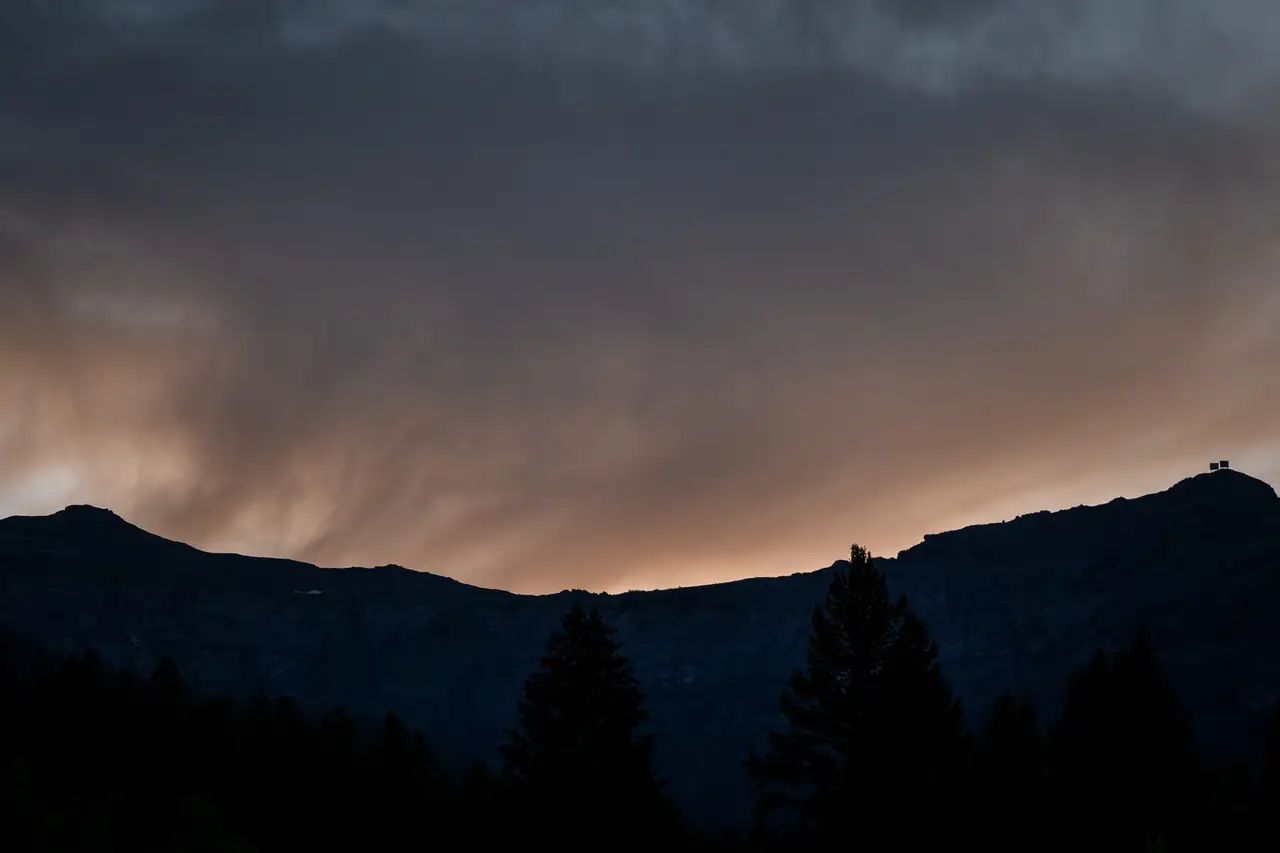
(873, 734)
(1122, 752)
(579, 752)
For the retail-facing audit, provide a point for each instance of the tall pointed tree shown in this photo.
(579, 753)
(1265, 821)
(874, 734)
(1123, 761)
(1009, 794)
(1271, 766)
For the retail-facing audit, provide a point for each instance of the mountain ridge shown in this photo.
(1228, 487)
(1013, 605)
(79, 527)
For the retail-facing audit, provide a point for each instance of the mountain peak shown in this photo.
(78, 527)
(1225, 484)
(86, 513)
(87, 520)
(1225, 501)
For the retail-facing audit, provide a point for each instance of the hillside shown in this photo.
(1016, 604)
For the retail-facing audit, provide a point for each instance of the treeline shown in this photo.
(876, 750)
(874, 756)
(92, 759)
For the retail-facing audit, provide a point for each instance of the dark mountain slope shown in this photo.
(1223, 504)
(1198, 565)
(81, 531)
(1016, 604)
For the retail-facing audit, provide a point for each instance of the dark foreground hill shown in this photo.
(1013, 605)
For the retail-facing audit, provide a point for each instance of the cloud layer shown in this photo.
(550, 294)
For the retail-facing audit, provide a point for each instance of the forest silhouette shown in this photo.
(871, 753)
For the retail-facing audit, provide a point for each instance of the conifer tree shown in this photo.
(874, 734)
(578, 753)
(1124, 766)
(1271, 767)
(1269, 807)
(1009, 796)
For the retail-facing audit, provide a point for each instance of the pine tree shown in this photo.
(874, 734)
(578, 754)
(1009, 794)
(1124, 766)
(1271, 767)
(1268, 813)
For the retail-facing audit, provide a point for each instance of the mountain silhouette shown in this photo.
(1014, 605)
(78, 529)
(1222, 503)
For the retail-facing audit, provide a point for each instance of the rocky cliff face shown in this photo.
(1013, 605)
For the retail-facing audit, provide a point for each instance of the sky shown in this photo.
(612, 294)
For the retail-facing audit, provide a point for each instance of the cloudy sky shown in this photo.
(630, 293)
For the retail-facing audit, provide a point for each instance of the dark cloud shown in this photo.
(547, 294)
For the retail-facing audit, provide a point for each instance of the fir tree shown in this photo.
(578, 754)
(1271, 766)
(874, 735)
(1009, 796)
(1125, 770)
(1269, 811)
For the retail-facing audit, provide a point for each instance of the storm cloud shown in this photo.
(549, 294)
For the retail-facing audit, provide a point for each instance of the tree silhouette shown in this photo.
(874, 734)
(96, 759)
(1271, 767)
(92, 758)
(1125, 770)
(1269, 810)
(1009, 798)
(578, 754)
